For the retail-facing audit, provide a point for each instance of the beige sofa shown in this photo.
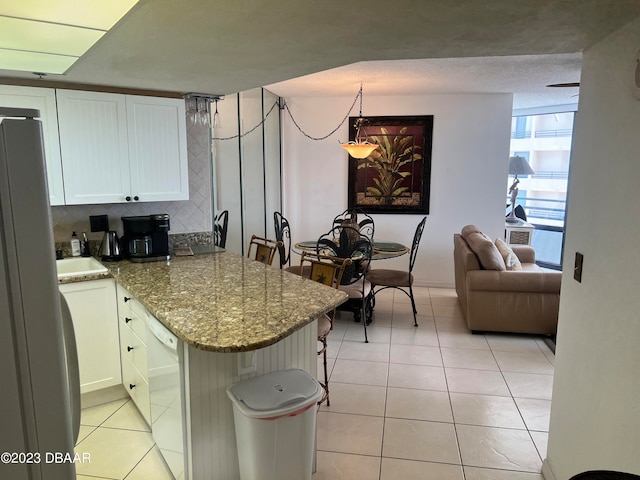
(501, 293)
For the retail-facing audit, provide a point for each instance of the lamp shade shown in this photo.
(519, 166)
(359, 150)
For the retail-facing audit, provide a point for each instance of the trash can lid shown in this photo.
(275, 393)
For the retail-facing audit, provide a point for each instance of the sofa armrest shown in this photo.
(514, 281)
(525, 253)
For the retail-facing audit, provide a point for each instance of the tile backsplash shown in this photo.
(186, 217)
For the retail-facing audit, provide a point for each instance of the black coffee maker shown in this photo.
(146, 238)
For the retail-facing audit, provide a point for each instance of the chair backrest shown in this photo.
(347, 242)
(283, 234)
(416, 243)
(520, 213)
(220, 229)
(323, 268)
(359, 216)
(262, 249)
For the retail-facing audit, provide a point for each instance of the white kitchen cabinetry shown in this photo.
(94, 314)
(133, 350)
(93, 141)
(157, 148)
(122, 148)
(43, 99)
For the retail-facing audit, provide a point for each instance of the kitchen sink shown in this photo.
(78, 266)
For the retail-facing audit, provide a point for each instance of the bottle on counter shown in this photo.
(75, 245)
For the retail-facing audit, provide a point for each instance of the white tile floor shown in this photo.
(432, 402)
(119, 443)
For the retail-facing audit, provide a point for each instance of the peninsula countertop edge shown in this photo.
(223, 302)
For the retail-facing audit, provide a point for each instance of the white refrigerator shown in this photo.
(39, 397)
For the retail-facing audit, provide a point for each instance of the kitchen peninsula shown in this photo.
(236, 318)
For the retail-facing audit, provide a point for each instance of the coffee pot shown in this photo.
(146, 238)
(110, 247)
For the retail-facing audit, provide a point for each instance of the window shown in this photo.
(544, 140)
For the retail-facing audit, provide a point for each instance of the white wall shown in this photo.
(595, 413)
(469, 170)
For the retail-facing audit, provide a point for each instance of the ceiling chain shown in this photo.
(286, 107)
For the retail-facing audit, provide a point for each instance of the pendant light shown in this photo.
(361, 147)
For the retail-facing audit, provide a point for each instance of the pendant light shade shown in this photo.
(359, 150)
(361, 147)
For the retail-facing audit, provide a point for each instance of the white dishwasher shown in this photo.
(166, 393)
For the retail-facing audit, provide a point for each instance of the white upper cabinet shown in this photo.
(42, 99)
(93, 140)
(122, 148)
(157, 148)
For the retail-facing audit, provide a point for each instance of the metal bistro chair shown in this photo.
(263, 249)
(347, 242)
(220, 225)
(350, 217)
(399, 279)
(283, 234)
(328, 271)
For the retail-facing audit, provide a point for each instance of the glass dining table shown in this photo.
(382, 249)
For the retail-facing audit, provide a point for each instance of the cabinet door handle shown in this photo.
(127, 319)
(127, 198)
(126, 299)
(132, 386)
(129, 348)
(136, 198)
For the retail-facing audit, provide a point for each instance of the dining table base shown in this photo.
(354, 305)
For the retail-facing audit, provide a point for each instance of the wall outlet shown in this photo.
(577, 267)
(246, 362)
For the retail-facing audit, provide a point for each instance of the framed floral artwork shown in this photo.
(396, 177)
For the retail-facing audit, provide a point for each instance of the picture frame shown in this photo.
(396, 177)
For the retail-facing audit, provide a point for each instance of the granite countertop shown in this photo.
(223, 302)
(84, 278)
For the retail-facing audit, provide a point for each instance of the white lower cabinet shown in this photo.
(133, 351)
(94, 314)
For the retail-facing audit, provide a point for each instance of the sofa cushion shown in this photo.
(486, 251)
(468, 230)
(511, 260)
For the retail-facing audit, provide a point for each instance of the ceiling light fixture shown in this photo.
(361, 147)
(49, 37)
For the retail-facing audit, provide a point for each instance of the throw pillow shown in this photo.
(511, 260)
(487, 253)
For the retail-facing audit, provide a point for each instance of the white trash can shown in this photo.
(275, 420)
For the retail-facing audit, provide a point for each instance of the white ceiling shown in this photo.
(227, 46)
(526, 76)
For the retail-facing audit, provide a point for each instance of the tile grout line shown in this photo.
(455, 425)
